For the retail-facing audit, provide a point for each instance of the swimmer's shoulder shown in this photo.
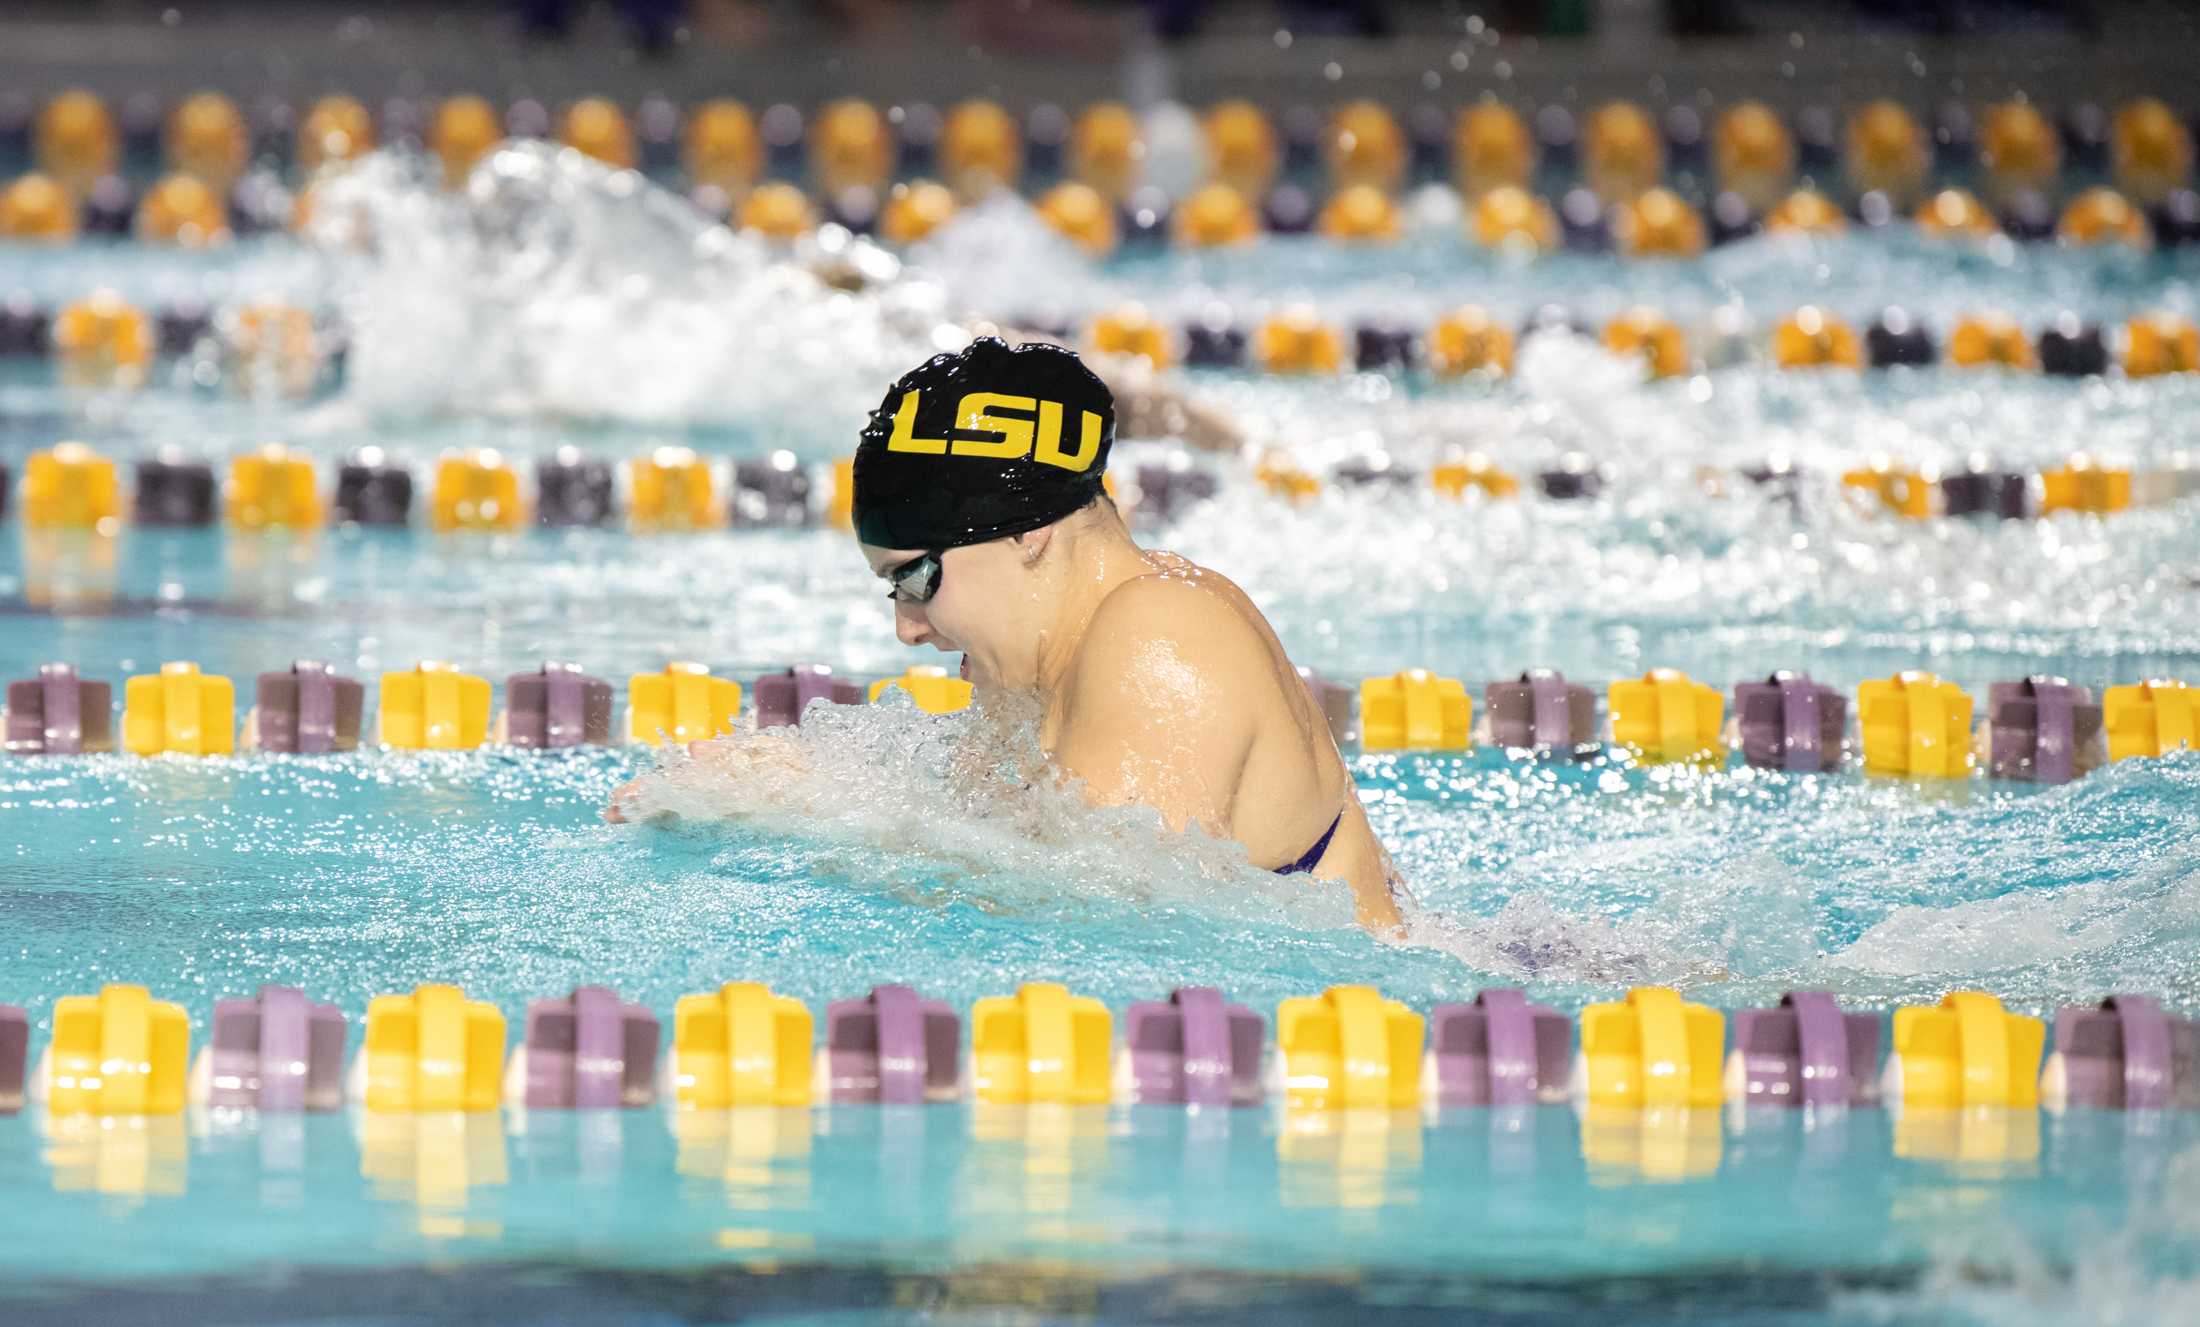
(1198, 614)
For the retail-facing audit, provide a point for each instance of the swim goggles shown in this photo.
(915, 581)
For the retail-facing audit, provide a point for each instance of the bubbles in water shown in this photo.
(964, 807)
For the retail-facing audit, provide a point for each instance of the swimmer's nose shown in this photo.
(910, 626)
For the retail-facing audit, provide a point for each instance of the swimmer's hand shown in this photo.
(769, 774)
(626, 799)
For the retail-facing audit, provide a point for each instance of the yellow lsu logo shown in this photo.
(1036, 431)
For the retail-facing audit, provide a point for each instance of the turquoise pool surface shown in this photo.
(358, 874)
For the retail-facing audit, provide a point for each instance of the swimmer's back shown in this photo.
(1183, 697)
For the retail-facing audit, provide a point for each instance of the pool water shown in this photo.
(365, 873)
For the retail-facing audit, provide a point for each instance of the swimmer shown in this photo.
(978, 501)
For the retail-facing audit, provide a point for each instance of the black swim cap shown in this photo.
(981, 445)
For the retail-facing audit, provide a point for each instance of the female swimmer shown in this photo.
(978, 500)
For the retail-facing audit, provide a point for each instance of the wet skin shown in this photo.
(1162, 685)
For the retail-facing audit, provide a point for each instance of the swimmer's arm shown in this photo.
(762, 765)
(1149, 717)
(1147, 407)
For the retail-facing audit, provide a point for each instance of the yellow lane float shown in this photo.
(1241, 147)
(182, 210)
(180, 711)
(1286, 478)
(1653, 1049)
(840, 503)
(1954, 213)
(1899, 489)
(1468, 340)
(1415, 710)
(1041, 1045)
(103, 343)
(1915, 726)
(1297, 341)
(1991, 339)
(117, 1053)
(434, 707)
(1812, 338)
(914, 210)
(1622, 150)
(2160, 343)
(475, 490)
(1753, 154)
(74, 140)
(1491, 149)
(1107, 149)
(2084, 484)
(71, 487)
(851, 147)
(2151, 150)
(432, 1050)
(337, 129)
(1215, 216)
(1453, 476)
(1360, 214)
(981, 149)
(741, 1045)
(1130, 330)
(1510, 218)
(462, 132)
(272, 489)
(777, 210)
(206, 137)
(2103, 216)
(2151, 718)
(1349, 1048)
(1887, 151)
(671, 489)
(930, 686)
(37, 207)
(2019, 149)
(722, 148)
(1080, 214)
(1657, 223)
(597, 128)
(1364, 146)
(1806, 212)
(1665, 716)
(1646, 335)
(684, 703)
(1966, 1051)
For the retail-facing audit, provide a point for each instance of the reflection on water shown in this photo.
(1036, 1159)
(1475, 1193)
(127, 1156)
(437, 1162)
(758, 1157)
(1356, 1158)
(1657, 1144)
(1973, 1141)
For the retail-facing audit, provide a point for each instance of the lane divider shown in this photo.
(1913, 725)
(123, 1053)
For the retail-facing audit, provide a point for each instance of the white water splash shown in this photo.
(554, 286)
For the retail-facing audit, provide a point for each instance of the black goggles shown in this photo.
(915, 581)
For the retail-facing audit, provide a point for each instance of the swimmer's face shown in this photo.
(987, 608)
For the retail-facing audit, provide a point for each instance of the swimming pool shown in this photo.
(360, 874)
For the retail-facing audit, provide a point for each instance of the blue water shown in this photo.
(358, 874)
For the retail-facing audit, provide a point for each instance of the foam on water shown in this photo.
(966, 805)
(552, 285)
